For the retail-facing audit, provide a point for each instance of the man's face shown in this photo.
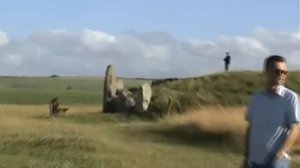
(276, 73)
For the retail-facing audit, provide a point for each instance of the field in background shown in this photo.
(40, 90)
(227, 89)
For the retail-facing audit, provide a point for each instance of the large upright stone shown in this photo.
(110, 88)
(147, 94)
(143, 97)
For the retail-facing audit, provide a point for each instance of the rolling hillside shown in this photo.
(226, 89)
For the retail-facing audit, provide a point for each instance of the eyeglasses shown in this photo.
(279, 72)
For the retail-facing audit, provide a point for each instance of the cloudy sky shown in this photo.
(145, 38)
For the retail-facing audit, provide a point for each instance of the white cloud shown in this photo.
(96, 40)
(11, 59)
(3, 38)
(154, 54)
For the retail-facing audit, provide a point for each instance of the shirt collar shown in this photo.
(279, 90)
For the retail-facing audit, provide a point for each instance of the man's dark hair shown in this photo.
(272, 59)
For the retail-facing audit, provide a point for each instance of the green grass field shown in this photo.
(40, 90)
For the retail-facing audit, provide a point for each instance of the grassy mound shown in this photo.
(232, 88)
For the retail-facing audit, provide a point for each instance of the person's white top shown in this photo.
(270, 116)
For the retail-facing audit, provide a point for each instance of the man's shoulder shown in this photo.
(289, 94)
(257, 94)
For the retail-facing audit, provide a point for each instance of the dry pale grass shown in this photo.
(28, 136)
(35, 119)
(33, 110)
(214, 119)
(219, 120)
(124, 144)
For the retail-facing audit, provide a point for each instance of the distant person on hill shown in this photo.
(53, 107)
(273, 117)
(227, 61)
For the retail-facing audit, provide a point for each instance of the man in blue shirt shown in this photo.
(273, 117)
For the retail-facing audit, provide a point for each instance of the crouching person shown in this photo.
(53, 107)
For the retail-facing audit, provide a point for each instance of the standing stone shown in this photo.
(147, 94)
(110, 88)
(143, 97)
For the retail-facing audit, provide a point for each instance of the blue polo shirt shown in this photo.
(270, 116)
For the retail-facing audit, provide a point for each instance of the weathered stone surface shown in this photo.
(110, 88)
(143, 97)
(147, 94)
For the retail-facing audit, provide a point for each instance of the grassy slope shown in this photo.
(39, 90)
(232, 88)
